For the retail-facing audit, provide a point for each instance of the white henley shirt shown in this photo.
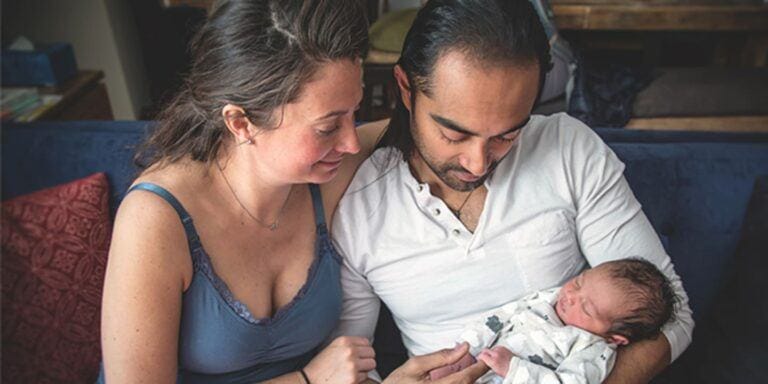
(556, 204)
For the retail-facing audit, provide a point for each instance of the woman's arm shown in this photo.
(141, 306)
(344, 361)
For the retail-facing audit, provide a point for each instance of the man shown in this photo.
(471, 202)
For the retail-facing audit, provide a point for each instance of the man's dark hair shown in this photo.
(505, 32)
(653, 295)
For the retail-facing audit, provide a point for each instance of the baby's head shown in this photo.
(623, 301)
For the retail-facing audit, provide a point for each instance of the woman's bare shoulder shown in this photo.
(147, 227)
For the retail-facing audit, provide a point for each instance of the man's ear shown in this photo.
(404, 85)
(237, 123)
(617, 339)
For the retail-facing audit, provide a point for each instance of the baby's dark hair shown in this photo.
(652, 292)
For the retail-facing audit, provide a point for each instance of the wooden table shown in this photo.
(83, 97)
(642, 15)
(659, 15)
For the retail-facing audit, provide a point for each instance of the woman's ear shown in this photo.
(404, 85)
(617, 339)
(238, 124)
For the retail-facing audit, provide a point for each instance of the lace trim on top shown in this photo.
(202, 263)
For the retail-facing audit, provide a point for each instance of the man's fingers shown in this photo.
(473, 372)
(426, 363)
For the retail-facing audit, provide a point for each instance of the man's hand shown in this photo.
(446, 370)
(416, 369)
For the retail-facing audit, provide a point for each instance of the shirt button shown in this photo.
(456, 232)
(436, 211)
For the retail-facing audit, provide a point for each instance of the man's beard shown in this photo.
(443, 171)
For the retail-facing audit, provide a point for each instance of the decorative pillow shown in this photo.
(54, 254)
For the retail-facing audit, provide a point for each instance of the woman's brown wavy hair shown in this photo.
(256, 54)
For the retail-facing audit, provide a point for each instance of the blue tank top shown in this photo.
(221, 342)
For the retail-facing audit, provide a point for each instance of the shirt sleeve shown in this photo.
(611, 224)
(589, 365)
(360, 305)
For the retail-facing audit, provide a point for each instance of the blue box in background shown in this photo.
(46, 65)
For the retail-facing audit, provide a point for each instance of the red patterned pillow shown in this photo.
(54, 254)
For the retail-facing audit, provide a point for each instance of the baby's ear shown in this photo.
(617, 339)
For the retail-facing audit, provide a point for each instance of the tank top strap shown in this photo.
(317, 202)
(189, 228)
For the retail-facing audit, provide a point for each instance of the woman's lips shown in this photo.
(330, 163)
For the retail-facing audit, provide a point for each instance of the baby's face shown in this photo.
(591, 301)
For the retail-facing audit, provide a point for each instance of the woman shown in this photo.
(221, 268)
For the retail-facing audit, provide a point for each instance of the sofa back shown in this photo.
(694, 187)
(45, 154)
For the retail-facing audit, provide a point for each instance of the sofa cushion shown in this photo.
(54, 246)
(735, 353)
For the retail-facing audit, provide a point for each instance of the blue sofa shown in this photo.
(694, 187)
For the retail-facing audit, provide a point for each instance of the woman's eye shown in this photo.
(327, 131)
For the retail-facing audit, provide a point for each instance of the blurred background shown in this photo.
(653, 64)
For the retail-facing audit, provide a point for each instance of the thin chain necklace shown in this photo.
(271, 226)
(461, 207)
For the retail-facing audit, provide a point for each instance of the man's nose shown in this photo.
(476, 159)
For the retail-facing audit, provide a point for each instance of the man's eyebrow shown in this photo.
(450, 124)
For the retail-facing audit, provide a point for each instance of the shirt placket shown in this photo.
(439, 212)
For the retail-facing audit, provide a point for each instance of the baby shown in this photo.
(570, 334)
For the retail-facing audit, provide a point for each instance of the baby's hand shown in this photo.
(446, 370)
(497, 359)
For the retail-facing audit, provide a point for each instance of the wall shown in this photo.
(400, 4)
(103, 35)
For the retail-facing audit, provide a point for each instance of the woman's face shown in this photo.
(317, 130)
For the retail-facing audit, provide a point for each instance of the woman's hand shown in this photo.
(416, 369)
(346, 360)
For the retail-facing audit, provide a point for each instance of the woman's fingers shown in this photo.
(365, 352)
(365, 365)
(351, 341)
